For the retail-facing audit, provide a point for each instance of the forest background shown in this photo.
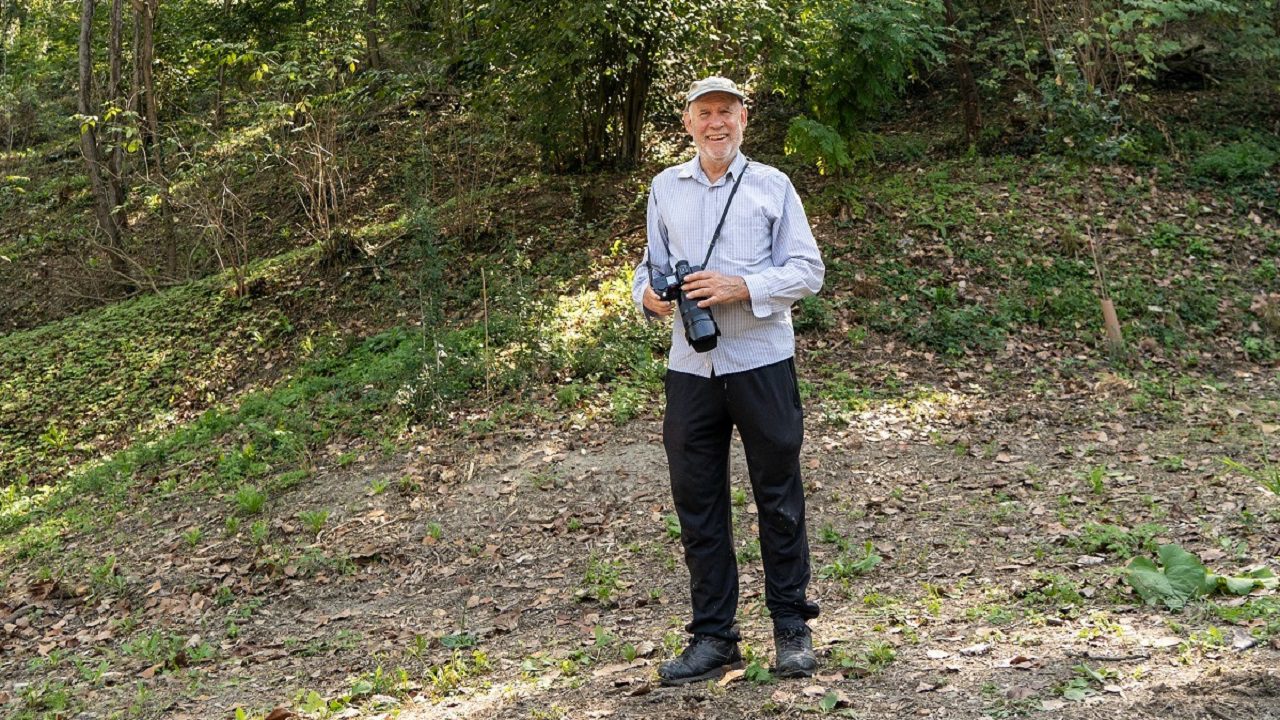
(321, 392)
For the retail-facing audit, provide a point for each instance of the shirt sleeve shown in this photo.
(655, 254)
(797, 270)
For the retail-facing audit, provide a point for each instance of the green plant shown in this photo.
(435, 530)
(106, 576)
(1182, 577)
(600, 581)
(1236, 161)
(815, 143)
(814, 314)
(851, 59)
(259, 531)
(1097, 478)
(314, 520)
(1267, 475)
(672, 524)
(379, 485)
(758, 672)
(847, 565)
(868, 659)
(1117, 540)
(249, 500)
(192, 536)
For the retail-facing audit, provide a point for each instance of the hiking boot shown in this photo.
(794, 651)
(705, 658)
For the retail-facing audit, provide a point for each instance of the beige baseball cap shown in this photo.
(715, 83)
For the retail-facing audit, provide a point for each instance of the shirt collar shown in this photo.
(693, 169)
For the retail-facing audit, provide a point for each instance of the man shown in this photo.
(764, 260)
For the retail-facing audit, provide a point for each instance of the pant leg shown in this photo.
(696, 432)
(765, 405)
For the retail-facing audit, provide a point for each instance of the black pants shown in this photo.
(764, 404)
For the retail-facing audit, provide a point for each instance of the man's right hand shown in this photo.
(655, 304)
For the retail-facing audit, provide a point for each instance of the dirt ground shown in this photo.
(547, 551)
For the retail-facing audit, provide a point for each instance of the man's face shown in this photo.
(715, 122)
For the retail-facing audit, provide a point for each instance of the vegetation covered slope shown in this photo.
(355, 412)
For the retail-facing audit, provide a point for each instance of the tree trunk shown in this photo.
(222, 79)
(371, 34)
(968, 87)
(633, 106)
(135, 85)
(115, 95)
(89, 139)
(146, 20)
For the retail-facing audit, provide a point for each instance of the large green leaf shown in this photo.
(1180, 578)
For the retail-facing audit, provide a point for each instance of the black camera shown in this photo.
(700, 327)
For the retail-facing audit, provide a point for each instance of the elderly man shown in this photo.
(743, 220)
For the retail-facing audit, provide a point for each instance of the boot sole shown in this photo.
(714, 674)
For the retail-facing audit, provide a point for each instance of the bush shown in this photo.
(850, 59)
(1246, 160)
(814, 316)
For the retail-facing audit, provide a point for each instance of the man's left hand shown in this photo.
(715, 288)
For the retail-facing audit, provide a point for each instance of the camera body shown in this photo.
(700, 327)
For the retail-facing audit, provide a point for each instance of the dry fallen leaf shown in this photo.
(974, 650)
(1018, 692)
(926, 686)
(937, 654)
(280, 714)
(731, 676)
(814, 691)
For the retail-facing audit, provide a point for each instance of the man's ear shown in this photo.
(686, 121)
(744, 115)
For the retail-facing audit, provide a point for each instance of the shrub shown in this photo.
(1246, 160)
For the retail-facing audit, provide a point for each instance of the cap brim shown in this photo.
(708, 91)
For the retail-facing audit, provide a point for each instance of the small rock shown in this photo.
(1243, 640)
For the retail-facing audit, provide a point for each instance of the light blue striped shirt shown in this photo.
(766, 239)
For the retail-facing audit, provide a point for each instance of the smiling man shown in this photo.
(743, 221)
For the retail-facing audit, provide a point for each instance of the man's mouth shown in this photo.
(718, 138)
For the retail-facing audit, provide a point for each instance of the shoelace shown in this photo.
(787, 634)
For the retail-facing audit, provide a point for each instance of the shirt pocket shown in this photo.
(752, 245)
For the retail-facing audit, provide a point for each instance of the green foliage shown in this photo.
(600, 581)
(581, 74)
(814, 143)
(1182, 577)
(1266, 474)
(1236, 161)
(757, 672)
(314, 520)
(672, 524)
(848, 60)
(813, 315)
(249, 500)
(1078, 119)
(1117, 540)
(848, 565)
(871, 658)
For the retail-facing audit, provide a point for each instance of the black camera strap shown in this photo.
(714, 236)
